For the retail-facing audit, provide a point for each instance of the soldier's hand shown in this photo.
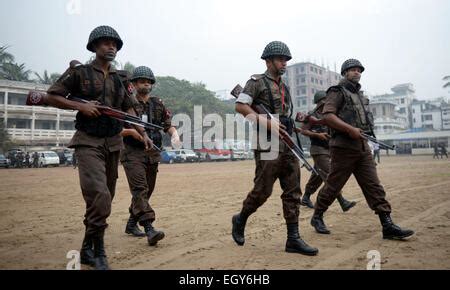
(135, 134)
(323, 136)
(271, 124)
(355, 133)
(148, 143)
(89, 110)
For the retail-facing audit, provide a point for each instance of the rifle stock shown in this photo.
(35, 98)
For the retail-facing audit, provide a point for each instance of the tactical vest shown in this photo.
(155, 135)
(102, 126)
(319, 129)
(355, 110)
(287, 121)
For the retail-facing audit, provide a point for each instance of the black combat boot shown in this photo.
(153, 236)
(318, 223)
(132, 227)
(100, 260)
(87, 251)
(345, 204)
(238, 230)
(390, 230)
(306, 200)
(295, 244)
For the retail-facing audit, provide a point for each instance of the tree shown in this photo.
(46, 79)
(5, 140)
(14, 72)
(5, 56)
(129, 67)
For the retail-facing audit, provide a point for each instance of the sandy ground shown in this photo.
(41, 212)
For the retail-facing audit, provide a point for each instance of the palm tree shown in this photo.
(5, 56)
(46, 79)
(447, 84)
(14, 72)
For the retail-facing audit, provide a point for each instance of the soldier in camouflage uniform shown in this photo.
(320, 152)
(346, 112)
(97, 141)
(141, 167)
(268, 89)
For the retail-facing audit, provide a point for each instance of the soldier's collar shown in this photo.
(267, 74)
(96, 66)
(354, 88)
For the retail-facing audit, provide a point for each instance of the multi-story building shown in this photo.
(304, 80)
(445, 110)
(32, 125)
(432, 115)
(387, 119)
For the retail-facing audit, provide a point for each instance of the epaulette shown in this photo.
(257, 77)
(75, 64)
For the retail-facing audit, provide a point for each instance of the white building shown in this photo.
(426, 115)
(31, 125)
(387, 118)
(445, 110)
(402, 96)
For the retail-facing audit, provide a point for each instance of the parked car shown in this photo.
(4, 162)
(168, 157)
(48, 158)
(185, 155)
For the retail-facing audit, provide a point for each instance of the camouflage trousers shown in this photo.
(141, 174)
(97, 169)
(344, 163)
(285, 168)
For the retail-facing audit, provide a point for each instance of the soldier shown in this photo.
(346, 112)
(141, 167)
(19, 158)
(97, 141)
(436, 151)
(268, 89)
(443, 151)
(35, 160)
(320, 152)
(27, 160)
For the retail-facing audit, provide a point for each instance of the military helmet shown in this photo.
(103, 32)
(276, 48)
(319, 95)
(143, 72)
(350, 63)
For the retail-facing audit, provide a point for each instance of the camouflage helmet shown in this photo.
(143, 72)
(103, 32)
(276, 48)
(319, 95)
(350, 63)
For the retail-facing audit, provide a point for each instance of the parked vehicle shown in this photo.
(168, 157)
(48, 158)
(185, 155)
(4, 162)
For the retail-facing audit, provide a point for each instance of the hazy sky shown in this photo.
(220, 42)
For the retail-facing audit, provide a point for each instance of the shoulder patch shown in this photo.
(257, 77)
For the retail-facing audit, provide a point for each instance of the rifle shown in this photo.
(305, 118)
(35, 98)
(284, 136)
